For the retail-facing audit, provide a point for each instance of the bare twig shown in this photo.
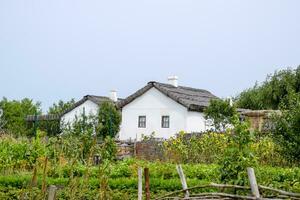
(212, 185)
(290, 194)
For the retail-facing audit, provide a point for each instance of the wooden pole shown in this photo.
(52, 192)
(183, 181)
(147, 183)
(140, 184)
(253, 183)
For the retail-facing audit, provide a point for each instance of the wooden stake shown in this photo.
(183, 181)
(253, 183)
(52, 192)
(44, 177)
(147, 183)
(140, 184)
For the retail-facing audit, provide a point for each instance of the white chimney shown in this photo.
(113, 95)
(173, 80)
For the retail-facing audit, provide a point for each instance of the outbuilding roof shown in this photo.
(193, 99)
(96, 99)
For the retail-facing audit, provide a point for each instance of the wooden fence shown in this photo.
(187, 193)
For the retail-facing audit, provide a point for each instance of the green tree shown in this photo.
(109, 119)
(238, 155)
(221, 112)
(14, 114)
(287, 128)
(274, 91)
(61, 106)
(52, 128)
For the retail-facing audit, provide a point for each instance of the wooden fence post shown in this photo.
(253, 183)
(183, 181)
(52, 192)
(147, 183)
(140, 184)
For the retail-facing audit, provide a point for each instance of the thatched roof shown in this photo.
(193, 99)
(96, 99)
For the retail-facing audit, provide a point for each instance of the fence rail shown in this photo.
(254, 188)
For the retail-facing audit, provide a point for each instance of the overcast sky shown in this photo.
(63, 49)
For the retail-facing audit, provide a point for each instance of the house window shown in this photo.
(83, 111)
(142, 122)
(165, 121)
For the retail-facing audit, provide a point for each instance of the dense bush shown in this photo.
(238, 155)
(273, 92)
(205, 148)
(109, 120)
(221, 112)
(287, 128)
(14, 113)
(210, 147)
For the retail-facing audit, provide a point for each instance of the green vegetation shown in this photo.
(238, 155)
(287, 128)
(274, 91)
(14, 114)
(280, 91)
(221, 112)
(29, 163)
(109, 119)
(52, 128)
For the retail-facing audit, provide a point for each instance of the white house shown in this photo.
(88, 105)
(164, 109)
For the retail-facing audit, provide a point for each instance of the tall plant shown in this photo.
(221, 113)
(287, 128)
(109, 120)
(238, 155)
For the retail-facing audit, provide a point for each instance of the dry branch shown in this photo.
(290, 194)
(212, 185)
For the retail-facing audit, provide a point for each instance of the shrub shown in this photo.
(287, 127)
(205, 148)
(238, 155)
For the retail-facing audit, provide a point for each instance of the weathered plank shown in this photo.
(183, 180)
(52, 192)
(140, 184)
(253, 183)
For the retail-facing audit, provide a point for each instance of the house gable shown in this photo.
(87, 107)
(153, 105)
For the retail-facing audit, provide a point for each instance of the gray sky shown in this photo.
(59, 49)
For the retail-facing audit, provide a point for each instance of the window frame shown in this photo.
(142, 124)
(165, 123)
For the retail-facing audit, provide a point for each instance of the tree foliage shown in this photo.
(109, 120)
(221, 113)
(274, 91)
(61, 106)
(14, 114)
(52, 128)
(238, 155)
(287, 128)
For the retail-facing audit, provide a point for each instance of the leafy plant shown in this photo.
(287, 127)
(14, 114)
(221, 113)
(238, 155)
(273, 92)
(109, 120)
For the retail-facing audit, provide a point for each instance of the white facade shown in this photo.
(88, 108)
(153, 104)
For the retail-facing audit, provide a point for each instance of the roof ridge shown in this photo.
(180, 86)
(192, 98)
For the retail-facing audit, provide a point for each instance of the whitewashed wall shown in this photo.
(153, 104)
(90, 108)
(195, 122)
